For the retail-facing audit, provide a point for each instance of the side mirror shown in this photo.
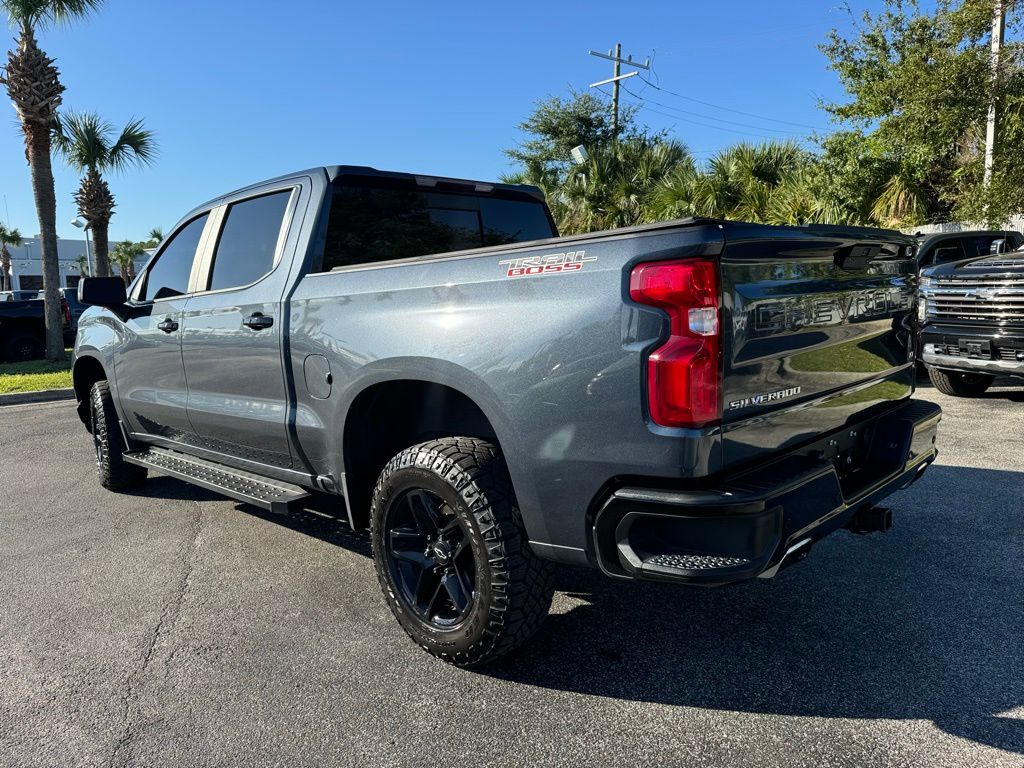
(998, 246)
(109, 292)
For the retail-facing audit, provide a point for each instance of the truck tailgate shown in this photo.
(817, 330)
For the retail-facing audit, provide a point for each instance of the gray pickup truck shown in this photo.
(694, 401)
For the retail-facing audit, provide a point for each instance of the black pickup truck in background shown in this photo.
(23, 329)
(950, 247)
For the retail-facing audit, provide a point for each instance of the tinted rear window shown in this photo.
(248, 241)
(369, 224)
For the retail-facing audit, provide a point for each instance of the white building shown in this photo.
(27, 266)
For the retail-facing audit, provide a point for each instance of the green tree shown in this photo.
(33, 83)
(124, 255)
(7, 237)
(772, 182)
(557, 125)
(612, 187)
(609, 189)
(918, 83)
(89, 145)
(156, 236)
(82, 265)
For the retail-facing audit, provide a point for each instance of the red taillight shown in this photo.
(67, 311)
(683, 374)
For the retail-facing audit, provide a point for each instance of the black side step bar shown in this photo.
(260, 491)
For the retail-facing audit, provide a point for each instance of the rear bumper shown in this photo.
(753, 523)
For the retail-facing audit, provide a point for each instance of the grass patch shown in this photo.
(34, 375)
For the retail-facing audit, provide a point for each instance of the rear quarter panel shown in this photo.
(553, 361)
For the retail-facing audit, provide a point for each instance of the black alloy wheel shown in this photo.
(430, 558)
(452, 554)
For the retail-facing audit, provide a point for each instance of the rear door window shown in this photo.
(170, 272)
(370, 223)
(248, 241)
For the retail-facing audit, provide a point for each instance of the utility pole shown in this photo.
(998, 27)
(618, 61)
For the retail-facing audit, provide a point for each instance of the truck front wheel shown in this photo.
(451, 552)
(115, 473)
(960, 384)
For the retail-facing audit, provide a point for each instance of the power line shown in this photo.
(647, 107)
(641, 103)
(729, 109)
(709, 117)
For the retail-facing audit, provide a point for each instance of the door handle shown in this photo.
(167, 326)
(258, 321)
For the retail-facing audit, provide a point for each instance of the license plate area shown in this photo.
(978, 349)
(864, 454)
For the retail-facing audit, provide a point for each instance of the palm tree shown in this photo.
(156, 235)
(82, 265)
(7, 237)
(611, 188)
(33, 83)
(124, 256)
(88, 144)
(740, 182)
(902, 203)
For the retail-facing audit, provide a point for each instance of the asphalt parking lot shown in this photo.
(176, 628)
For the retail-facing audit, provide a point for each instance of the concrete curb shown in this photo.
(42, 396)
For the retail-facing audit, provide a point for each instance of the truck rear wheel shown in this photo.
(115, 473)
(24, 345)
(451, 553)
(960, 383)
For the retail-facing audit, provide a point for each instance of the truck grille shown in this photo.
(982, 298)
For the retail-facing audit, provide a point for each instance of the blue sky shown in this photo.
(238, 92)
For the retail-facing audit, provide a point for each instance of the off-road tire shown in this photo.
(513, 586)
(114, 472)
(960, 384)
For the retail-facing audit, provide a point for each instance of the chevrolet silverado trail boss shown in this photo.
(972, 322)
(694, 401)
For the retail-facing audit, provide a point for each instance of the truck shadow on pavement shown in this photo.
(926, 622)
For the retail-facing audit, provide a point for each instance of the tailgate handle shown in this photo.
(856, 256)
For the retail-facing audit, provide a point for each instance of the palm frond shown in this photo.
(135, 146)
(901, 203)
(82, 139)
(85, 141)
(32, 14)
(9, 236)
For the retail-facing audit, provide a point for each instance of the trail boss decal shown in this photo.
(766, 397)
(553, 263)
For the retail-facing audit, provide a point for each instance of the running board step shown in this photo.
(687, 565)
(260, 491)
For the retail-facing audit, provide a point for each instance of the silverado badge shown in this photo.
(765, 397)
